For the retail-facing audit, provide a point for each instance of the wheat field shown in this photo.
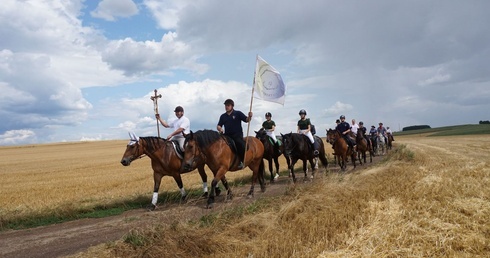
(430, 198)
(52, 178)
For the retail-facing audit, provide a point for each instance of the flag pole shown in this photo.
(250, 110)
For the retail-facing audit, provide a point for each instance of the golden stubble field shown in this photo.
(39, 179)
(430, 198)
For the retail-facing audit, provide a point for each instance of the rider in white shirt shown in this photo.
(354, 127)
(180, 125)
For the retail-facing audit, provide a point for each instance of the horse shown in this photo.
(374, 143)
(390, 140)
(164, 161)
(298, 147)
(218, 152)
(341, 148)
(363, 145)
(381, 145)
(270, 154)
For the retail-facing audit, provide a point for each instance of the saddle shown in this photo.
(178, 151)
(231, 143)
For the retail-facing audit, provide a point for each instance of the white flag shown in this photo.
(268, 84)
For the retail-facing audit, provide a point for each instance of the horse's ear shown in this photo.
(133, 136)
(256, 132)
(191, 135)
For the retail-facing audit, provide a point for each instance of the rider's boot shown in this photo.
(276, 148)
(316, 147)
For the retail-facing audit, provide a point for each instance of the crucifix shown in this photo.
(155, 98)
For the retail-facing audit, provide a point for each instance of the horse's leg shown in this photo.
(178, 180)
(276, 162)
(217, 177)
(157, 178)
(257, 170)
(359, 157)
(229, 195)
(204, 178)
(305, 168)
(269, 160)
(291, 171)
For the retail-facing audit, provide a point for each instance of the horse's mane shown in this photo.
(152, 143)
(206, 137)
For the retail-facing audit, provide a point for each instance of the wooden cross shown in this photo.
(155, 98)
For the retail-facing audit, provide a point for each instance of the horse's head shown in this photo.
(133, 151)
(192, 153)
(331, 136)
(261, 134)
(288, 143)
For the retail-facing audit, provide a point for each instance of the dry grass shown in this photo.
(431, 199)
(55, 178)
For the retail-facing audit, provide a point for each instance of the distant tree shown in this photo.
(484, 122)
(415, 127)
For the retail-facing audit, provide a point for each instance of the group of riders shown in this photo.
(232, 120)
(349, 132)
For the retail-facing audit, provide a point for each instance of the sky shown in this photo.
(74, 70)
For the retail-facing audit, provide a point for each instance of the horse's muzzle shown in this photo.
(187, 167)
(126, 162)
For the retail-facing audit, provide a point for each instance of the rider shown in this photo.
(390, 133)
(304, 127)
(269, 127)
(344, 129)
(364, 131)
(232, 121)
(181, 126)
(381, 131)
(354, 127)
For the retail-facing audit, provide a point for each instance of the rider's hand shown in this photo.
(157, 116)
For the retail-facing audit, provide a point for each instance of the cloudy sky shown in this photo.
(74, 70)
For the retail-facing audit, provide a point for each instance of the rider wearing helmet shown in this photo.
(344, 129)
(269, 126)
(364, 131)
(304, 127)
(232, 121)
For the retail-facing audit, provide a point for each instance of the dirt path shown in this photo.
(75, 236)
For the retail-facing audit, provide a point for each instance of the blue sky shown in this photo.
(85, 70)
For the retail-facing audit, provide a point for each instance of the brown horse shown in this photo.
(363, 145)
(217, 151)
(298, 147)
(341, 148)
(164, 161)
(390, 140)
(270, 153)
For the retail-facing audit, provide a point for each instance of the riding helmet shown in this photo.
(229, 102)
(268, 114)
(361, 123)
(302, 112)
(342, 117)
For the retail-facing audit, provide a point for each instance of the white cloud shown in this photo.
(12, 137)
(139, 58)
(111, 9)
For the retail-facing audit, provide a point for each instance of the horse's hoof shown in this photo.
(151, 207)
(183, 198)
(217, 191)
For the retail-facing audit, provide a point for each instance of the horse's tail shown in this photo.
(324, 160)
